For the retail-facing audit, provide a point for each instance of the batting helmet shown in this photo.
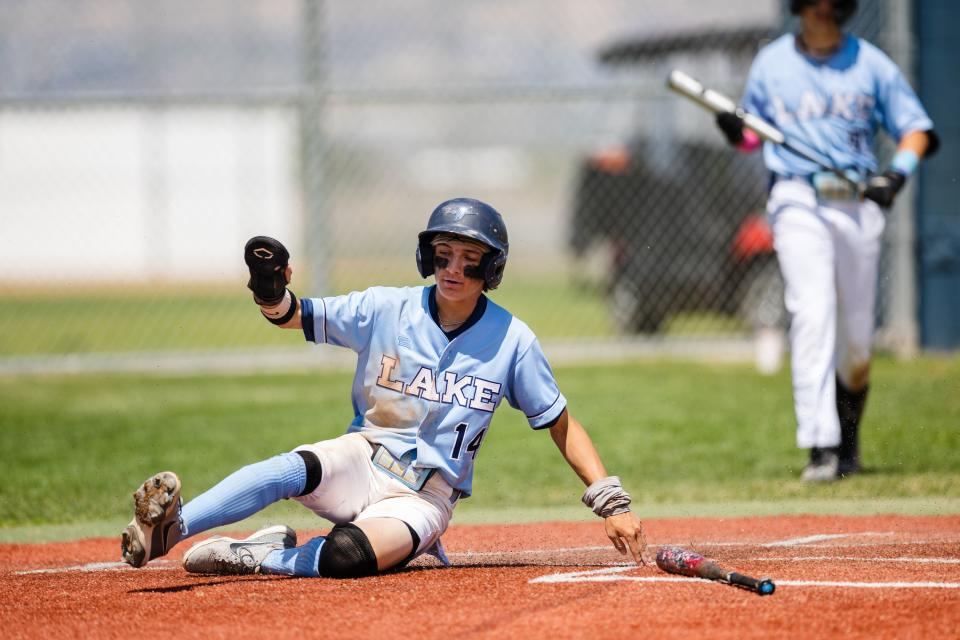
(474, 220)
(842, 9)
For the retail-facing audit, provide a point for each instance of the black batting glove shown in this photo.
(883, 188)
(732, 126)
(267, 260)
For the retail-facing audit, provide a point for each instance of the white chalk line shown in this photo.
(166, 565)
(820, 537)
(807, 541)
(813, 541)
(91, 567)
(869, 585)
(612, 574)
(525, 552)
(859, 559)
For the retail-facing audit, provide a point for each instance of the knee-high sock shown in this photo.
(299, 561)
(850, 406)
(244, 492)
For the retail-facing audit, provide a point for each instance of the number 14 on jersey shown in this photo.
(472, 447)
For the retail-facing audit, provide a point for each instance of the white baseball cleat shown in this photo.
(229, 556)
(155, 527)
(823, 466)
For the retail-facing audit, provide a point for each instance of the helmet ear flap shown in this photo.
(496, 262)
(425, 259)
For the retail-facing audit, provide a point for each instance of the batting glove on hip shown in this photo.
(883, 188)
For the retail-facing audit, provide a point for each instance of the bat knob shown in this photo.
(766, 587)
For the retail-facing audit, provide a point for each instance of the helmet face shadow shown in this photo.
(471, 219)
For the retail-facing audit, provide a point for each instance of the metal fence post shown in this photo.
(312, 147)
(901, 312)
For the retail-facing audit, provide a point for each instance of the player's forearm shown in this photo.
(913, 146)
(295, 321)
(577, 449)
(915, 141)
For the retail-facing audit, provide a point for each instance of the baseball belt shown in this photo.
(830, 187)
(827, 186)
(402, 470)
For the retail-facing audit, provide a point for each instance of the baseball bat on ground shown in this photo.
(716, 102)
(689, 563)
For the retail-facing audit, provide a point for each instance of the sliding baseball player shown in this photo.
(433, 364)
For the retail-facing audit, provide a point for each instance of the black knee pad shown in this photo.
(347, 554)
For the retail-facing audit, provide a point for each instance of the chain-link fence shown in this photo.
(142, 143)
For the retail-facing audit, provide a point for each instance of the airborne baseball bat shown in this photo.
(716, 102)
(689, 563)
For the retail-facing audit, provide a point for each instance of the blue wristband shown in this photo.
(905, 161)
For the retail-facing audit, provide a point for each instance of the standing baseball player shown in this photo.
(830, 91)
(433, 363)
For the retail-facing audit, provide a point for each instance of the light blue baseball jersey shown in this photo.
(416, 390)
(833, 107)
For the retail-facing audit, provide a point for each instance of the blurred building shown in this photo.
(141, 143)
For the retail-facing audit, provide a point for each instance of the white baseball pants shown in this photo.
(829, 256)
(353, 489)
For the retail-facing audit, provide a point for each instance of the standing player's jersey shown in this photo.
(416, 390)
(832, 107)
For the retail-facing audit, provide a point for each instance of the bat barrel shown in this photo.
(680, 561)
(716, 102)
(682, 83)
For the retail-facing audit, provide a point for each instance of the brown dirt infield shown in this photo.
(852, 577)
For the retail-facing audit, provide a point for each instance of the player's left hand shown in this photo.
(883, 188)
(268, 262)
(626, 532)
(732, 127)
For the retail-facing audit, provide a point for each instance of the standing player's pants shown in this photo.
(353, 489)
(829, 254)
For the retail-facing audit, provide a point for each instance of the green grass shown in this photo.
(81, 322)
(130, 321)
(685, 438)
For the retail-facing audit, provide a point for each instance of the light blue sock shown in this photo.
(299, 561)
(244, 492)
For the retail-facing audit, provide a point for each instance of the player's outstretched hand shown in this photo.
(883, 188)
(268, 262)
(626, 533)
(732, 127)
